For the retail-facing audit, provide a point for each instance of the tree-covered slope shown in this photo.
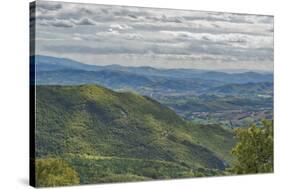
(123, 135)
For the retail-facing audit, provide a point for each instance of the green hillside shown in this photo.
(108, 136)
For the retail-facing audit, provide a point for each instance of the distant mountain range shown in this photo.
(60, 71)
(184, 90)
(47, 63)
(247, 88)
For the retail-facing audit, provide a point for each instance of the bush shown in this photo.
(54, 172)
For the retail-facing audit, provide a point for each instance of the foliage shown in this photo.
(215, 138)
(55, 172)
(254, 151)
(100, 169)
(92, 121)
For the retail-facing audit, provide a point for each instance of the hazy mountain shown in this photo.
(245, 89)
(46, 63)
(186, 91)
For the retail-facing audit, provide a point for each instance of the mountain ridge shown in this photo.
(90, 120)
(148, 69)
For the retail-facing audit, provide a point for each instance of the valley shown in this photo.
(231, 99)
(114, 123)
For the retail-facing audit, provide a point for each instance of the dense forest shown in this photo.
(91, 134)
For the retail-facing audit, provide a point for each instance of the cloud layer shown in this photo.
(131, 36)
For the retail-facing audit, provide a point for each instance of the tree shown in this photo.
(254, 150)
(54, 172)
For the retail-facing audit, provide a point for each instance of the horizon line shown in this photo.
(230, 70)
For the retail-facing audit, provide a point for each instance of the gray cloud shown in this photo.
(66, 23)
(160, 36)
(84, 21)
(195, 49)
(58, 23)
(62, 23)
(49, 6)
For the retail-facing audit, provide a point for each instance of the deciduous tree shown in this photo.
(254, 150)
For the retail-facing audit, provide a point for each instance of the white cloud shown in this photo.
(109, 33)
(120, 27)
(233, 39)
(60, 23)
(115, 33)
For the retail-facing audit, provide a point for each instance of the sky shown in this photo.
(162, 38)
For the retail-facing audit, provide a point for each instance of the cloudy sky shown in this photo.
(132, 36)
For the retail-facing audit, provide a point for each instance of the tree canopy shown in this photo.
(254, 150)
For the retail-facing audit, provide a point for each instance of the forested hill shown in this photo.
(93, 127)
